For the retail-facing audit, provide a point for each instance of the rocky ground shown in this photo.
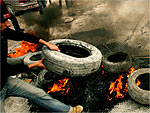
(96, 22)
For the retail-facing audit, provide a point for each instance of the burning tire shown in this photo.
(16, 60)
(32, 58)
(76, 58)
(117, 62)
(20, 50)
(139, 93)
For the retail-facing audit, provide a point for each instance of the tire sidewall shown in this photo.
(17, 60)
(27, 59)
(138, 94)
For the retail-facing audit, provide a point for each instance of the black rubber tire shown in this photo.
(41, 81)
(119, 66)
(27, 59)
(138, 94)
(11, 9)
(16, 60)
(41, 75)
(61, 63)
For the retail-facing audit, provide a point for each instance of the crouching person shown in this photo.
(16, 87)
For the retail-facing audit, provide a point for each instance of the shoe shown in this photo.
(77, 109)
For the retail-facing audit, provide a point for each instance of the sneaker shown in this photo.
(77, 109)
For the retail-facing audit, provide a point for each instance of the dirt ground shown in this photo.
(123, 21)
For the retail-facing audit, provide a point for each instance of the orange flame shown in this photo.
(60, 86)
(138, 83)
(103, 72)
(117, 86)
(131, 71)
(24, 49)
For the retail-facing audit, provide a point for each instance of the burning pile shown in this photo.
(118, 88)
(24, 49)
(98, 93)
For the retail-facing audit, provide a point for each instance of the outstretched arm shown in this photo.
(51, 46)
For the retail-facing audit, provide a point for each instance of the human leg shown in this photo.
(67, 3)
(40, 7)
(50, 2)
(44, 3)
(60, 4)
(2, 99)
(17, 87)
(71, 3)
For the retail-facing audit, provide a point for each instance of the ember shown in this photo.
(24, 49)
(118, 88)
(60, 87)
(102, 70)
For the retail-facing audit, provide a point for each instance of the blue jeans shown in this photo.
(19, 88)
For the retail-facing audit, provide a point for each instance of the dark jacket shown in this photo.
(5, 14)
(8, 70)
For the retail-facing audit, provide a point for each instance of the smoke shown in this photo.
(51, 16)
(121, 9)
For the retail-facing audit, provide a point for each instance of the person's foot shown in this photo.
(77, 109)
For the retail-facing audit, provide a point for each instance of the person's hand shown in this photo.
(51, 46)
(37, 64)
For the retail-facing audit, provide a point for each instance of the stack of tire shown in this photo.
(77, 58)
(63, 63)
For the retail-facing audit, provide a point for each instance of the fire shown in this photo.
(131, 71)
(117, 86)
(138, 83)
(60, 86)
(103, 73)
(24, 49)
